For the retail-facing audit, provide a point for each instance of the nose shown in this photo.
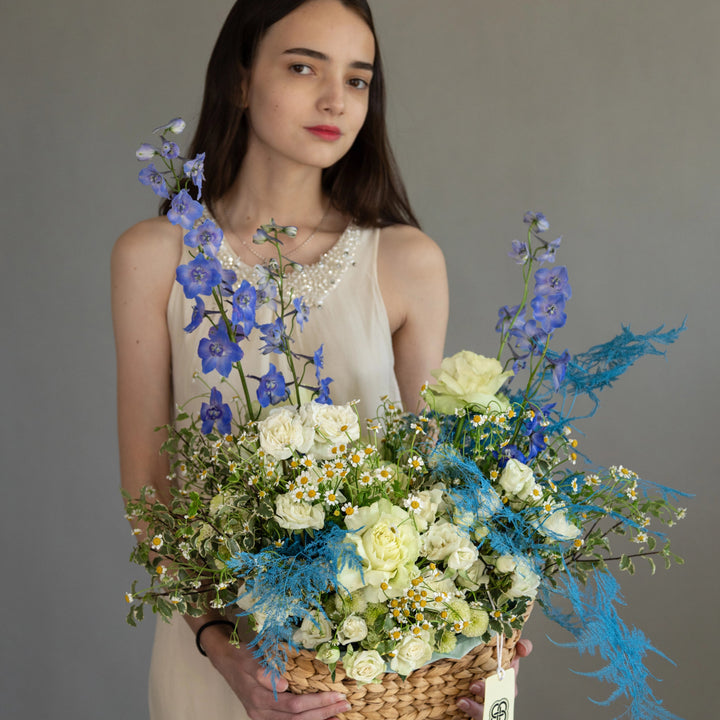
(332, 98)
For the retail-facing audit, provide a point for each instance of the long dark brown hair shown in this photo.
(364, 184)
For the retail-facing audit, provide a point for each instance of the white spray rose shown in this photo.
(365, 666)
(517, 478)
(462, 558)
(556, 526)
(313, 631)
(294, 515)
(411, 653)
(353, 629)
(331, 425)
(525, 580)
(475, 576)
(505, 564)
(282, 433)
(441, 539)
(467, 378)
(429, 503)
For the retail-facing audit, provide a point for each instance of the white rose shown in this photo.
(282, 433)
(525, 580)
(313, 631)
(556, 526)
(352, 629)
(475, 576)
(517, 478)
(429, 503)
(441, 539)
(365, 666)
(293, 515)
(385, 539)
(410, 654)
(331, 425)
(463, 557)
(505, 564)
(467, 378)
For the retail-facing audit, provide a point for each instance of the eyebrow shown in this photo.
(307, 52)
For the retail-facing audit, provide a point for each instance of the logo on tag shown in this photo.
(499, 710)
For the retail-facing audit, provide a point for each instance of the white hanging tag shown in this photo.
(499, 703)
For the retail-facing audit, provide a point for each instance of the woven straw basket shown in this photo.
(427, 694)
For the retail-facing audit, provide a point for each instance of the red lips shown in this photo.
(325, 132)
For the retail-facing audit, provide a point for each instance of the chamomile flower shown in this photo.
(349, 509)
(157, 542)
(129, 597)
(413, 503)
(366, 478)
(175, 599)
(640, 538)
(355, 458)
(331, 497)
(416, 462)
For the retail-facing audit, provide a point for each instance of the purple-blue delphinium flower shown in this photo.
(169, 149)
(228, 281)
(218, 351)
(505, 319)
(146, 152)
(243, 307)
(550, 248)
(215, 413)
(273, 334)
(176, 126)
(553, 281)
(520, 252)
(302, 311)
(195, 170)
(324, 392)
(538, 219)
(151, 176)
(184, 211)
(318, 361)
(198, 314)
(271, 388)
(529, 339)
(549, 311)
(208, 236)
(199, 276)
(558, 366)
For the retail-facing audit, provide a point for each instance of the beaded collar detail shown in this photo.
(313, 282)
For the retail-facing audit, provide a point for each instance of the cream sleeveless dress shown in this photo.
(348, 317)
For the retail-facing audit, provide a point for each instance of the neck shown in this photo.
(273, 188)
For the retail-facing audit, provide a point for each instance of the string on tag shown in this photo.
(500, 643)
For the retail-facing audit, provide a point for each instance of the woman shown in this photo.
(293, 129)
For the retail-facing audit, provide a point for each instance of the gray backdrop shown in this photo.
(602, 113)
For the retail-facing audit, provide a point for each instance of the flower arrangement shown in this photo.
(385, 544)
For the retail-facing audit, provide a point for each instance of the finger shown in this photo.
(312, 706)
(524, 647)
(265, 679)
(473, 709)
(478, 687)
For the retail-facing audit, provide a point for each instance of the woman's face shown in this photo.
(307, 95)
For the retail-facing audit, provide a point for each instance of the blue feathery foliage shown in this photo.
(286, 582)
(589, 372)
(598, 629)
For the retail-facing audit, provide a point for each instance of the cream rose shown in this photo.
(330, 424)
(314, 630)
(442, 539)
(517, 479)
(462, 558)
(282, 433)
(387, 543)
(293, 515)
(525, 580)
(556, 526)
(352, 629)
(365, 666)
(467, 378)
(475, 576)
(410, 654)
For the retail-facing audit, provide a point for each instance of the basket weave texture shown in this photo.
(427, 694)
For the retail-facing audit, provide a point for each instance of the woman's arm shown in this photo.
(413, 281)
(143, 271)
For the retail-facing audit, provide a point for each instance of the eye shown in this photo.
(359, 83)
(300, 69)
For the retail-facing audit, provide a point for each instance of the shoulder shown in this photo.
(410, 255)
(144, 259)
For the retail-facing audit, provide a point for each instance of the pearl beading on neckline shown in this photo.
(313, 282)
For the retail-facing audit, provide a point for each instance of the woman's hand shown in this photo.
(253, 686)
(475, 709)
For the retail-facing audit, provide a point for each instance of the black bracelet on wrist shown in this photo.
(208, 624)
